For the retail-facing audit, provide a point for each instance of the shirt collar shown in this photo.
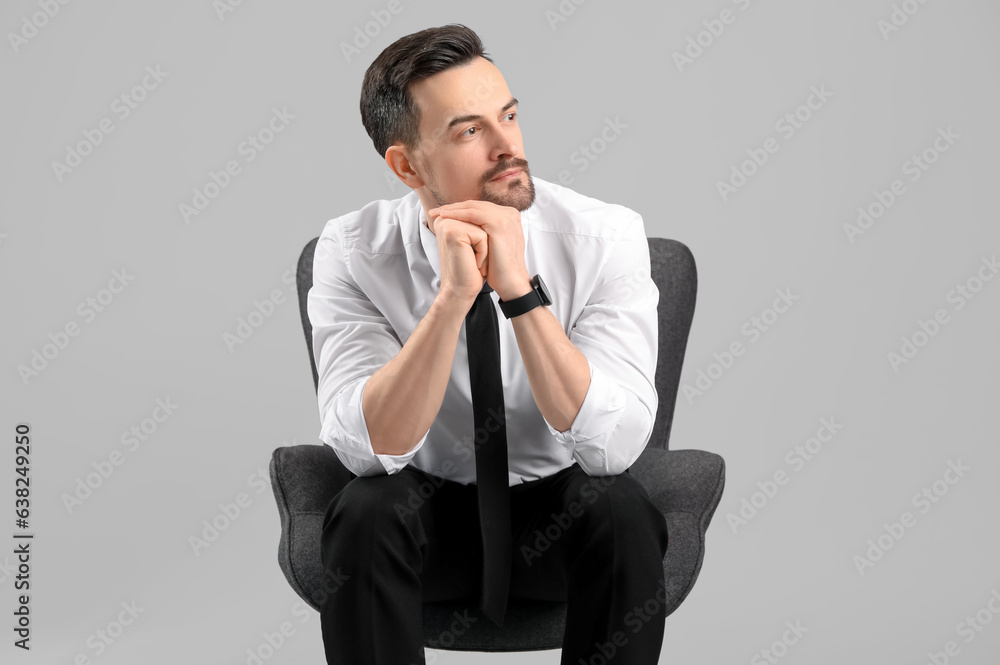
(427, 239)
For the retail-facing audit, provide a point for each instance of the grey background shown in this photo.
(163, 336)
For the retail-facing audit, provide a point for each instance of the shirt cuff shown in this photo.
(600, 414)
(346, 431)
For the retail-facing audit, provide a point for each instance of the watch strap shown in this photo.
(525, 303)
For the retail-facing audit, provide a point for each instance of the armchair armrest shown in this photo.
(304, 479)
(686, 485)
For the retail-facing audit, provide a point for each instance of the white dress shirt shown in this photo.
(376, 272)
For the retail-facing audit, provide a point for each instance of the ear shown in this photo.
(400, 161)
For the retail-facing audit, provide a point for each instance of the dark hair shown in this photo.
(388, 111)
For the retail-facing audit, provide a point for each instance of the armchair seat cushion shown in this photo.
(684, 484)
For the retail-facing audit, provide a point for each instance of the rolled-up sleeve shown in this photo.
(617, 333)
(351, 341)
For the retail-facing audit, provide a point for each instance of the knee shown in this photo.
(617, 511)
(638, 514)
(369, 506)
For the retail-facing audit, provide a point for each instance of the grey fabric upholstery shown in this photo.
(686, 485)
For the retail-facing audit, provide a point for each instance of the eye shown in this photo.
(512, 113)
(466, 132)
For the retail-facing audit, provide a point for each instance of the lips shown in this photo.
(507, 174)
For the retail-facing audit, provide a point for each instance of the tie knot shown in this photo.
(486, 288)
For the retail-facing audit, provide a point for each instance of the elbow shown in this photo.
(622, 446)
(386, 446)
(359, 466)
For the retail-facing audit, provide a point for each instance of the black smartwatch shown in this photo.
(539, 295)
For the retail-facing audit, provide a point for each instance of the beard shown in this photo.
(513, 193)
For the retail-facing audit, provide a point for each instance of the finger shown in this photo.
(447, 207)
(466, 214)
(481, 245)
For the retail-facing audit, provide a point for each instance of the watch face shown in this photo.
(546, 298)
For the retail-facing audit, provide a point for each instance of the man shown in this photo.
(393, 285)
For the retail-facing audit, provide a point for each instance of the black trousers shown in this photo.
(395, 541)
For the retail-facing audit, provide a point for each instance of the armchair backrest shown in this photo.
(675, 275)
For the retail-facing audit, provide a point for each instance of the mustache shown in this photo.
(516, 163)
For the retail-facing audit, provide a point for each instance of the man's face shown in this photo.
(469, 136)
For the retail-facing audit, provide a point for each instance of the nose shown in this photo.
(507, 145)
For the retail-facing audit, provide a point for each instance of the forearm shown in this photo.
(557, 371)
(402, 399)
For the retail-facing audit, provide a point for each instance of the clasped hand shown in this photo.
(494, 235)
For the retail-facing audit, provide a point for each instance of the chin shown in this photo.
(514, 193)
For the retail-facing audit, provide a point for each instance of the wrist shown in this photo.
(522, 288)
(536, 296)
(451, 306)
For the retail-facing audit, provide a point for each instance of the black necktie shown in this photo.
(483, 341)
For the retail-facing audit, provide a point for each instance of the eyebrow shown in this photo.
(466, 118)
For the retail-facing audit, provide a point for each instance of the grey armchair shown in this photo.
(685, 485)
